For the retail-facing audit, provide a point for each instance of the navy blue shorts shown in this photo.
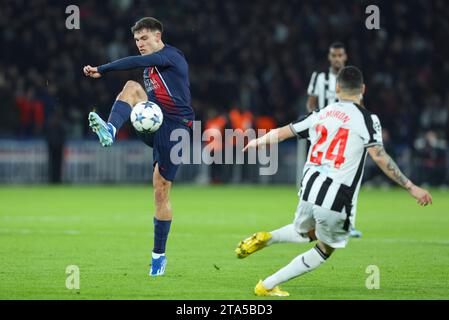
(161, 144)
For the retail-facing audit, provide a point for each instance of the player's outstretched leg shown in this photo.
(162, 222)
(131, 94)
(289, 234)
(256, 242)
(260, 240)
(306, 262)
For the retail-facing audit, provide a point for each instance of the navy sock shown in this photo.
(161, 230)
(120, 113)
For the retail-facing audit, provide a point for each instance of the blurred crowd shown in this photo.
(250, 57)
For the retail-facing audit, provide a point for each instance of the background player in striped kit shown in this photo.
(166, 79)
(321, 90)
(341, 135)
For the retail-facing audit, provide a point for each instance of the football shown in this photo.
(146, 116)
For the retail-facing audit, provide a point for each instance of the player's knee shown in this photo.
(132, 93)
(326, 249)
(311, 234)
(132, 86)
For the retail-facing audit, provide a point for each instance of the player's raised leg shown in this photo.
(260, 240)
(162, 222)
(302, 230)
(256, 242)
(131, 94)
(289, 234)
(306, 262)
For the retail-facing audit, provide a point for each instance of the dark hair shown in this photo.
(350, 80)
(337, 45)
(148, 23)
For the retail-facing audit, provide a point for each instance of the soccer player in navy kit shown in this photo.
(166, 84)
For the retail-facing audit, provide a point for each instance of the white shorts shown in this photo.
(328, 224)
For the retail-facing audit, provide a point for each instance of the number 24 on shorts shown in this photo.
(339, 140)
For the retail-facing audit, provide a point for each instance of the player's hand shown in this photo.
(252, 144)
(422, 196)
(92, 72)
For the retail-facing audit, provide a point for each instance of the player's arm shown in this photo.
(274, 136)
(391, 169)
(299, 128)
(312, 91)
(312, 103)
(132, 62)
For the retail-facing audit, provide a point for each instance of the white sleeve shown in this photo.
(302, 126)
(312, 90)
(373, 133)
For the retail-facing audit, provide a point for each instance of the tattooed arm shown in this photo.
(388, 166)
(391, 169)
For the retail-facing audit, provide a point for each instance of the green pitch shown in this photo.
(107, 233)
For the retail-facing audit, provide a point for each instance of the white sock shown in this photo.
(287, 234)
(157, 255)
(303, 263)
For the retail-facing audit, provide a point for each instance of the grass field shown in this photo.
(107, 233)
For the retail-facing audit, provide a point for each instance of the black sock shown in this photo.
(161, 230)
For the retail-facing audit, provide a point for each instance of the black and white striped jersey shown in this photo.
(322, 85)
(339, 135)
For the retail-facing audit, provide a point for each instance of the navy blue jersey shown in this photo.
(166, 79)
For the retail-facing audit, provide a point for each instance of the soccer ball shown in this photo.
(146, 116)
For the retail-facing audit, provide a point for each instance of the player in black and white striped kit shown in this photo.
(321, 90)
(341, 136)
